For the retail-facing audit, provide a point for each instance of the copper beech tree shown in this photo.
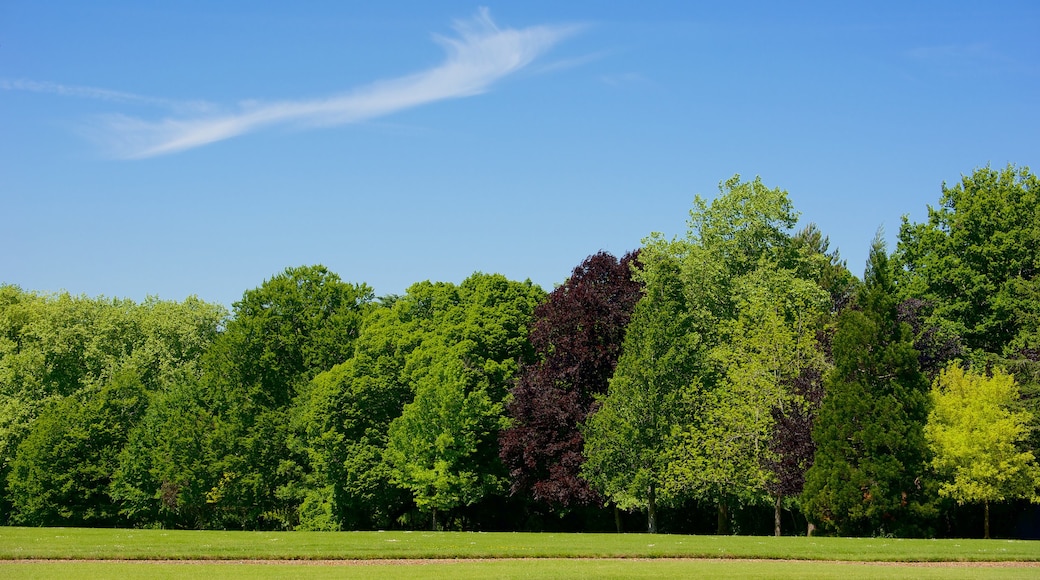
(577, 334)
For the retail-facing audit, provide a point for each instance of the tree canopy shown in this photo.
(577, 334)
(976, 431)
(701, 381)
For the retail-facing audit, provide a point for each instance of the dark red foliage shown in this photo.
(935, 348)
(577, 334)
(792, 436)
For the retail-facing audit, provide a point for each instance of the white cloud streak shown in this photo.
(477, 57)
(101, 95)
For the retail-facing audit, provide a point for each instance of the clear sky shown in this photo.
(190, 147)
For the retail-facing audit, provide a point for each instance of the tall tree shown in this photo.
(771, 342)
(791, 446)
(976, 431)
(628, 435)
(56, 346)
(341, 422)
(977, 257)
(577, 333)
(869, 471)
(760, 305)
(470, 341)
(439, 448)
(295, 325)
(170, 463)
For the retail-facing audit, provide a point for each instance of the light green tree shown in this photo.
(976, 429)
(725, 449)
(627, 437)
(53, 346)
(340, 424)
(759, 306)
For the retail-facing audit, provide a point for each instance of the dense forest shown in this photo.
(739, 379)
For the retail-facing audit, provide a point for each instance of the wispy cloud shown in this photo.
(480, 54)
(102, 95)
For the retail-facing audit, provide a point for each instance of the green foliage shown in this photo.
(627, 437)
(869, 472)
(63, 468)
(294, 326)
(440, 448)
(976, 259)
(56, 346)
(236, 417)
(469, 341)
(315, 407)
(729, 318)
(340, 424)
(169, 466)
(724, 449)
(976, 430)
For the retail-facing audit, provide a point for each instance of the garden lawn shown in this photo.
(512, 569)
(119, 544)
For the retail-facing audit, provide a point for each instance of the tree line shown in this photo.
(738, 379)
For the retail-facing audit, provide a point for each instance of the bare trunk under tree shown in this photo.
(651, 510)
(985, 521)
(776, 517)
(723, 522)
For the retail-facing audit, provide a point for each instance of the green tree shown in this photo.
(976, 260)
(56, 346)
(869, 471)
(439, 447)
(725, 450)
(754, 290)
(168, 466)
(294, 326)
(469, 342)
(628, 436)
(976, 430)
(736, 271)
(63, 468)
(340, 424)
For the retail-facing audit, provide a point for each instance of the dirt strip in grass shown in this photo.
(427, 561)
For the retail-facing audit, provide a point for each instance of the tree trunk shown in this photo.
(776, 517)
(617, 518)
(723, 522)
(433, 519)
(985, 521)
(651, 510)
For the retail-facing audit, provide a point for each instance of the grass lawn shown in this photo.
(511, 569)
(298, 554)
(81, 543)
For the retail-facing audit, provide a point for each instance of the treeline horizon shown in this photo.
(739, 379)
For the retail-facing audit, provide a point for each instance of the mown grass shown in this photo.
(511, 570)
(110, 544)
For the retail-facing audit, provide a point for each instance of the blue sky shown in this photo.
(179, 148)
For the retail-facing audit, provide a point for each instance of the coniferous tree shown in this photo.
(869, 471)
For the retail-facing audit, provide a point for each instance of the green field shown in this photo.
(76, 553)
